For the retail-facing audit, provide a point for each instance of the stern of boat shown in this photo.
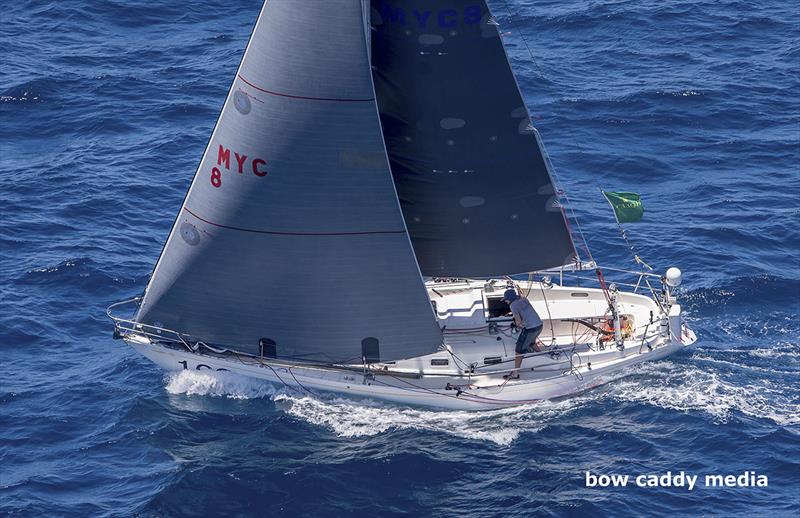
(680, 333)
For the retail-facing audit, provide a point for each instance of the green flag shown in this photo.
(627, 206)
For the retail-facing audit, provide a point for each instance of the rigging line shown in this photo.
(469, 367)
(525, 41)
(425, 389)
(471, 398)
(416, 388)
(549, 316)
(575, 218)
(300, 384)
(552, 167)
(636, 259)
(524, 356)
(575, 370)
(603, 286)
(262, 363)
(466, 330)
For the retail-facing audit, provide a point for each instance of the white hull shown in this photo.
(459, 377)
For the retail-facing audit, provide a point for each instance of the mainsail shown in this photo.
(291, 230)
(474, 186)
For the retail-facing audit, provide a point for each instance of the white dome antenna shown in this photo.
(673, 277)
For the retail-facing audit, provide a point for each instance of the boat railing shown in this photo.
(637, 281)
(642, 277)
(638, 278)
(127, 326)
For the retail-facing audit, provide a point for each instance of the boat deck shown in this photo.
(479, 338)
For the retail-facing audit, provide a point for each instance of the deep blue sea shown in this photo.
(105, 108)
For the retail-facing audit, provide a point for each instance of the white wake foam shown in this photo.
(349, 418)
(688, 388)
(784, 351)
(742, 366)
(663, 384)
(224, 384)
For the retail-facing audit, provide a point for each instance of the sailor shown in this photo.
(526, 318)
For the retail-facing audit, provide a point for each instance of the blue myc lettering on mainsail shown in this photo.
(472, 14)
(393, 14)
(448, 18)
(422, 17)
(445, 18)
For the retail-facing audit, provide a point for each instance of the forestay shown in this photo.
(291, 229)
(475, 191)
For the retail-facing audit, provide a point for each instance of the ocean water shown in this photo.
(105, 107)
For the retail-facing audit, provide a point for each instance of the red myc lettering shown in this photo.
(224, 154)
(240, 160)
(256, 163)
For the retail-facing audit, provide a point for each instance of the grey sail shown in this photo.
(473, 184)
(291, 230)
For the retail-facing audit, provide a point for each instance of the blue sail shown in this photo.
(473, 183)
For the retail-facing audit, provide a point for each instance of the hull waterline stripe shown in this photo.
(278, 94)
(255, 231)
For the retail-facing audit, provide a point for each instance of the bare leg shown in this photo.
(518, 359)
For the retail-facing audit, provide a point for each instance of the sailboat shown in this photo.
(372, 188)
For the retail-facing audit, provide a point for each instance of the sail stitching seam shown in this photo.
(334, 99)
(294, 233)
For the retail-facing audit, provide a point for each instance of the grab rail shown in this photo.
(580, 274)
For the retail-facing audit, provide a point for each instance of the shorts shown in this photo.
(526, 339)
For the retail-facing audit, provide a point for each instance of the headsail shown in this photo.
(469, 170)
(291, 229)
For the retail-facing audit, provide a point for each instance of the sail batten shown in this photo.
(291, 230)
(471, 176)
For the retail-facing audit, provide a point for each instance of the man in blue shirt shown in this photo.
(530, 324)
